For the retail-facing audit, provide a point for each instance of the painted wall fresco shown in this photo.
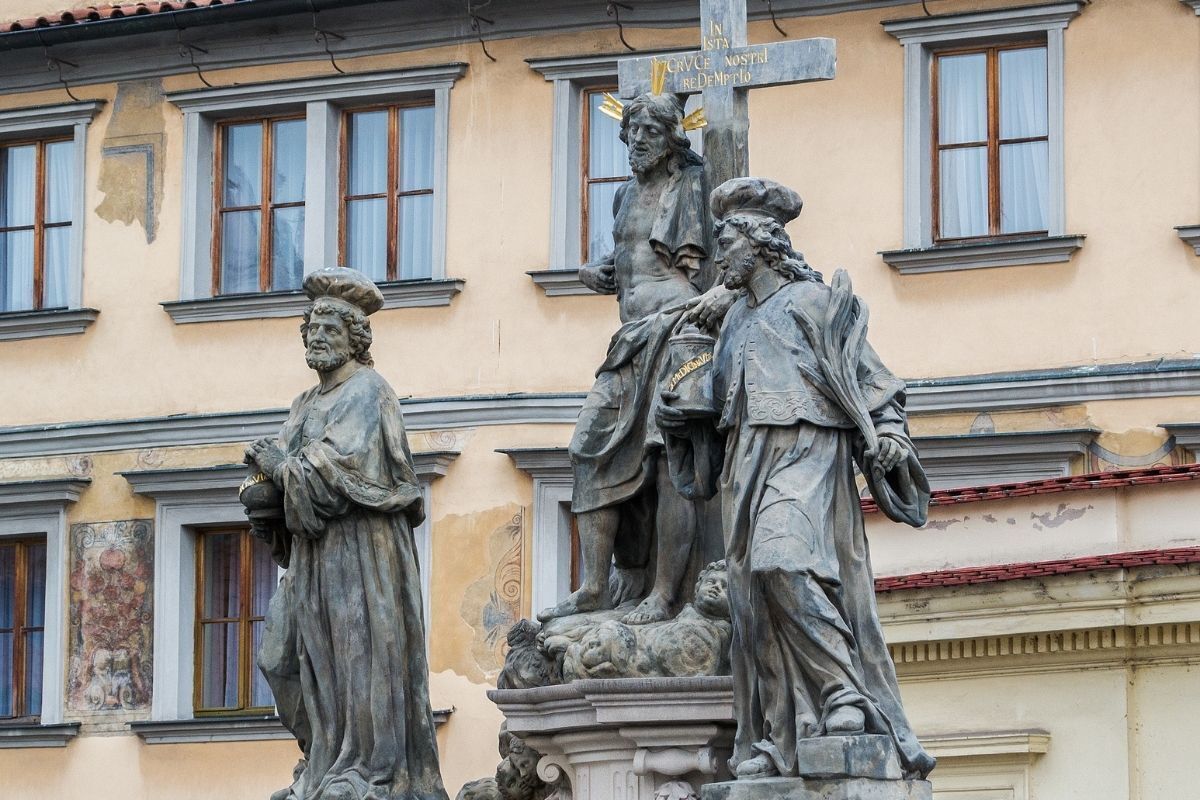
(493, 603)
(111, 616)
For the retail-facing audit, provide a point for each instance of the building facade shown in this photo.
(1014, 189)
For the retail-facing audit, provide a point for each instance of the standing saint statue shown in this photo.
(623, 498)
(797, 398)
(344, 644)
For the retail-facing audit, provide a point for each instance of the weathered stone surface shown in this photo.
(817, 789)
(344, 643)
(797, 399)
(869, 756)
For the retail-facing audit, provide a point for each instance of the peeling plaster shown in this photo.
(131, 165)
(1060, 516)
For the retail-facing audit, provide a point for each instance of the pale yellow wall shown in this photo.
(1133, 172)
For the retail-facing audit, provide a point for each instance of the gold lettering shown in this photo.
(713, 28)
(688, 368)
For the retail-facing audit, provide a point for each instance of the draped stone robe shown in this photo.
(344, 644)
(781, 448)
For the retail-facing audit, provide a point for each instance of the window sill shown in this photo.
(396, 294)
(1004, 253)
(1191, 233)
(31, 734)
(54, 322)
(559, 282)
(224, 729)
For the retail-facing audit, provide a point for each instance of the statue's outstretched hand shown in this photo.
(599, 277)
(710, 308)
(890, 453)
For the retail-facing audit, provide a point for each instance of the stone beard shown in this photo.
(795, 404)
(344, 644)
(624, 501)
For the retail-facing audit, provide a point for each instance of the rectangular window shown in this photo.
(991, 142)
(22, 626)
(258, 233)
(387, 192)
(236, 578)
(605, 167)
(37, 185)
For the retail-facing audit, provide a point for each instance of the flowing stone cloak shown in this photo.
(344, 644)
(782, 455)
(616, 439)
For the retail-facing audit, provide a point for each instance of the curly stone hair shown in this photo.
(357, 324)
(772, 242)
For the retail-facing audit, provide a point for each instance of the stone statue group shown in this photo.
(715, 493)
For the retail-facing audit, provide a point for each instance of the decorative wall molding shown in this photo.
(51, 322)
(396, 294)
(559, 282)
(1191, 233)
(983, 255)
(48, 495)
(227, 729)
(286, 35)
(22, 735)
(968, 393)
(977, 459)
(1019, 744)
(1185, 434)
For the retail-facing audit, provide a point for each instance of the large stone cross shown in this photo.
(723, 70)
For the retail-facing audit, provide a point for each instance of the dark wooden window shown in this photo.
(234, 583)
(387, 208)
(258, 230)
(37, 187)
(22, 626)
(990, 142)
(605, 166)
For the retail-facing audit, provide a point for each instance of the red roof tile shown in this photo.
(1034, 569)
(85, 14)
(1097, 480)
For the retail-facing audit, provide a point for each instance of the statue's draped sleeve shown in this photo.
(359, 457)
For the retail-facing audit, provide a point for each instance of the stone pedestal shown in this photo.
(818, 789)
(627, 738)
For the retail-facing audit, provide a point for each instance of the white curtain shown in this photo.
(17, 176)
(962, 172)
(60, 157)
(1024, 184)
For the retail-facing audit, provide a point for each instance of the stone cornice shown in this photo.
(21, 735)
(989, 458)
(992, 22)
(54, 322)
(43, 494)
(540, 462)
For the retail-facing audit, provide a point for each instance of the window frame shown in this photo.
(266, 205)
(320, 101)
(922, 38)
(39, 213)
(245, 621)
(993, 143)
(394, 192)
(585, 157)
(38, 508)
(61, 122)
(20, 631)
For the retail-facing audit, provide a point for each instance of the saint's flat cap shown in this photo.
(345, 284)
(756, 196)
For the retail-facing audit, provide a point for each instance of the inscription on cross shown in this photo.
(723, 71)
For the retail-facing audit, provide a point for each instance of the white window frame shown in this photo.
(192, 498)
(323, 100)
(553, 485)
(39, 508)
(571, 76)
(985, 764)
(48, 121)
(921, 38)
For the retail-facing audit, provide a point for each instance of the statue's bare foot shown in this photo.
(578, 602)
(654, 608)
(846, 721)
(758, 767)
